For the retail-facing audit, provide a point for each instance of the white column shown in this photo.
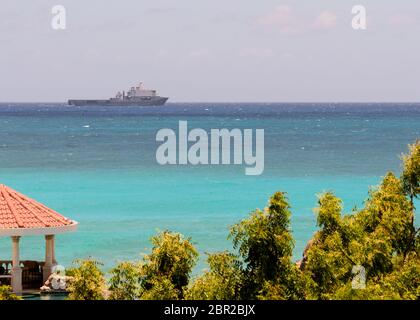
(16, 270)
(54, 261)
(49, 244)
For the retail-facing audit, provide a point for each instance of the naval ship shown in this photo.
(136, 96)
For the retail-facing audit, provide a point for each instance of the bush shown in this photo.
(265, 245)
(87, 282)
(221, 282)
(168, 266)
(6, 294)
(125, 282)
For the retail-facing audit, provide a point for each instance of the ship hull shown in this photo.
(155, 101)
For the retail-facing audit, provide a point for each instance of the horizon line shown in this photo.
(236, 102)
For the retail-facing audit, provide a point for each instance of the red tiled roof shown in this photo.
(20, 212)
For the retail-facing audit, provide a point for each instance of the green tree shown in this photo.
(387, 225)
(221, 282)
(6, 294)
(411, 171)
(403, 283)
(376, 237)
(410, 179)
(265, 245)
(170, 262)
(161, 289)
(327, 261)
(87, 281)
(329, 214)
(125, 281)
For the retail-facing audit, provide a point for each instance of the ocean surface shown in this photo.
(97, 165)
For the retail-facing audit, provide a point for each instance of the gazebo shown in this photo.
(22, 216)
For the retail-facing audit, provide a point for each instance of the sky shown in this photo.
(211, 50)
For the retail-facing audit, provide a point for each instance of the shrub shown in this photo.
(87, 282)
(170, 262)
(221, 282)
(6, 294)
(125, 282)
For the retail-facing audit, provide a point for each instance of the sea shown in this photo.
(97, 165)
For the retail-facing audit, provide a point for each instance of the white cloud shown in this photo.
(401, 20)
(282, 18)
(326, 20)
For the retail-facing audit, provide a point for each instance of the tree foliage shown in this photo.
(265, 245)
(6, 293)
(378, 238)
(166, 270)
(124, 283)
(221, 282)
(87, 281)
(411, 171)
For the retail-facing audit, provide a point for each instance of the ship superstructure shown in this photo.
(136, 96)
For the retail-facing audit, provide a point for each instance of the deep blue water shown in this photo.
(97, 165)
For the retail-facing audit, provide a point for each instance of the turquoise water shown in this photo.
(97, 166)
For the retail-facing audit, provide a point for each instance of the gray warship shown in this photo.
(136, 96)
